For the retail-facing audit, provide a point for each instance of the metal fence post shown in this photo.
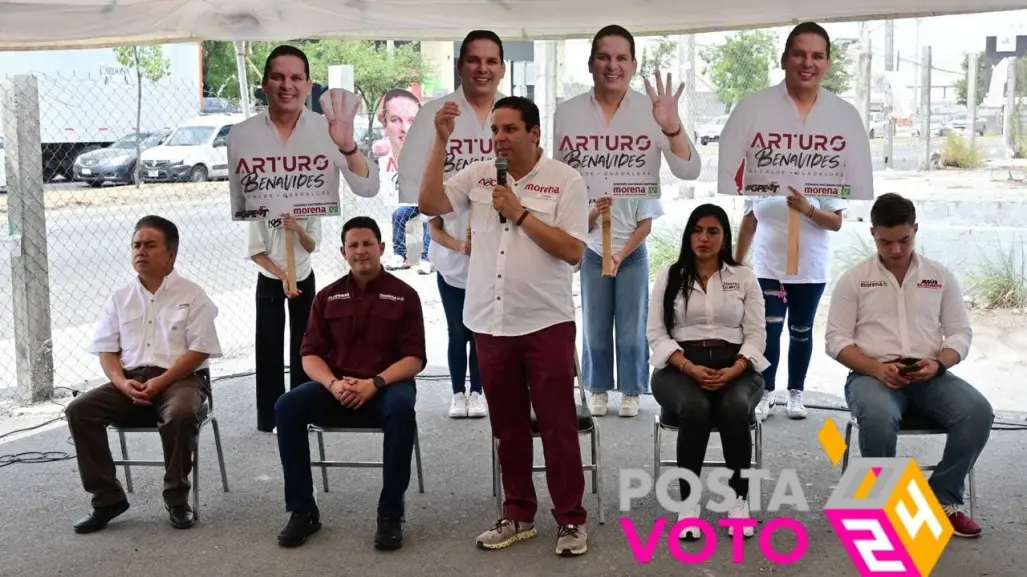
(26, 223)
(925, 105)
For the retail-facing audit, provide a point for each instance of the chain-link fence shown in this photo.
(88, 155)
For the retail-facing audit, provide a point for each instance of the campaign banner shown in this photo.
(396, 112)
(613, 164)
(266, 179)
(826, 164)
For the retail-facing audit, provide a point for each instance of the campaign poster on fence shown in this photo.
(620, 159)
(765, 151)
(268, 180)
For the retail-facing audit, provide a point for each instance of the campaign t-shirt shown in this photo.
(770, 246)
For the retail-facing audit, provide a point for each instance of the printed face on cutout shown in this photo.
(362, 251)
(397, 117)
(481, 68)
(612, 65)
(287, 84)
(895, 243)
(806, 62)
(510, 136)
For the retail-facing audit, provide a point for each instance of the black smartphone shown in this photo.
(910, 368)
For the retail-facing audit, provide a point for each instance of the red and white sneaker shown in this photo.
(962, 524)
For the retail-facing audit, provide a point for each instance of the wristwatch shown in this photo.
(379, 382)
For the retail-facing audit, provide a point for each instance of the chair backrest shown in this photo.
(204, 374)
(578, 380)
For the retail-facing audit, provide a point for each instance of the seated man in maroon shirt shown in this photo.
(363, 347)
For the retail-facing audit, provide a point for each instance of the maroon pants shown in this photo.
(518, 373)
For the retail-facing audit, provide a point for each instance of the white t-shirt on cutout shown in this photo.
(770, 247)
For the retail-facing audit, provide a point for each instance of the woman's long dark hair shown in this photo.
(682, 275)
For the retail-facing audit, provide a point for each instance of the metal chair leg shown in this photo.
(597, 476)
(196, 478)
(321, 450)
(417, 457)
(492, 453)
(848, 446)
(124, 457)
(656, 448)
(497, 476)
(221, 453)
(973, 494)
(595, 451)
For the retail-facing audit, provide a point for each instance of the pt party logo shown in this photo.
(884, 512)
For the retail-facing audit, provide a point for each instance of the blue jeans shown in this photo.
(400, 217)
(391, 408)
(948, 400)
(622, 302)
(459, 338)
(800, 304)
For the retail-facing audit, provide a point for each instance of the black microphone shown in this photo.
(501, 164)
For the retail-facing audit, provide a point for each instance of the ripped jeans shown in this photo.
(798, 302)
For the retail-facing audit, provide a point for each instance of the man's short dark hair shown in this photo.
(361, 222)
(478, 35)
(611, 30)
(165, 226)
(806, 28)
(527, 108)
(892, 210)
(285, 50)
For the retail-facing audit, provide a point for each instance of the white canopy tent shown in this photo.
(49, 24)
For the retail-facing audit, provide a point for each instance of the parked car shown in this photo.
(195, 151)
(710, 132)
(959, 123)
(116, 163)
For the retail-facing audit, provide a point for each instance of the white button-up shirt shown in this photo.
(766, 147)
(627, 151)
(268, 236)
(257, 137)
(513, 286)
(154, 330)
(887, 322)
(731, 310)
(470, 142)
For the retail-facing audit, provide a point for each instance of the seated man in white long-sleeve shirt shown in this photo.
(707, 334)
(898, 322)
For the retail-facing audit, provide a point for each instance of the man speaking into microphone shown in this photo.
(520, 308)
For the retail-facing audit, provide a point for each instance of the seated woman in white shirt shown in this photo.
(707, 333)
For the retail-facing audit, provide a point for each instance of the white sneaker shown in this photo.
(763, 409)
(458, 408)
(740, 511)
(476, 406)
(597, 403)
(396, 262)
(690, 533)
(629, 405)
(425, 267)
(795, 409)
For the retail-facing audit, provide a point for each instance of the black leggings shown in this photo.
(729, 409)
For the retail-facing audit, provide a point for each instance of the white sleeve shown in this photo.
(107, 333)
(843, 314)
(201, 333)
(754, 325)
(572, 209)
(458, 187)
(414, 157)
(314, 230)
(679, 167)
(365, 186)
(237, 199)
(258, 238)
(955, 321)
(660, 342)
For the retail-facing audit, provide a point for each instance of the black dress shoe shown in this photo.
(181, 516)
(389, 535)
(100, 517)
(301, 526)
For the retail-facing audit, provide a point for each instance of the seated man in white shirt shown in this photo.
(154, 339)
(707, 333)
(898, 322)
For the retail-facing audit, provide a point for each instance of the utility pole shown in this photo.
(686, 71)
(889, 66)
(863, 77)
(971, 96)
(925, 104)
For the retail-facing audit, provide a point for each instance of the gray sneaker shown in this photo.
(506, 533)
(572, 540)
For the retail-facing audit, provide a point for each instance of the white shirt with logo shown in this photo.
(625, 214)
(470, 142)
(887, 321)
(731, 309)
(268, 236)
(256, 142)
(452, 265)
(766, 147)
(617, 158)
(154, 330)
(770, 245)
(514, 286)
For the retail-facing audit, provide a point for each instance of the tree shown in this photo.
(741, 65)
(983, 80)
(839, 78)
(657, 58)
(220, 78)
(149, 63)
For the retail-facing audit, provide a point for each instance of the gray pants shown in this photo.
(948, 400)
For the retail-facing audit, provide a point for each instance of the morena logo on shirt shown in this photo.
(872, 284)
(540, 189)
(605, 151)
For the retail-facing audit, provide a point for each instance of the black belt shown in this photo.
(707, 343)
